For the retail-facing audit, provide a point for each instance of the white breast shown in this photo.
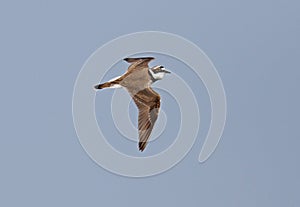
(157, 76)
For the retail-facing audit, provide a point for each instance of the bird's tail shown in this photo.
(111, 84)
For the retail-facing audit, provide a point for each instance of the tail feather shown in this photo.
(111, 84)
(103, 85)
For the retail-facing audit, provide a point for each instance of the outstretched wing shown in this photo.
(132, 60)
(138, 63)
(148, 103)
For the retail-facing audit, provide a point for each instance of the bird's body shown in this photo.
(137, 81)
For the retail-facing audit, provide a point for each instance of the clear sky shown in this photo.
(255, 48)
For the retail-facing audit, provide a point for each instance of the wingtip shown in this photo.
(130, 60)
(142, 146)
(126, 59)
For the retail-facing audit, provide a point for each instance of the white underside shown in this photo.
(116, 86)
(157, 76)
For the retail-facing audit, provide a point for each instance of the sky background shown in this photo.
(253, 44)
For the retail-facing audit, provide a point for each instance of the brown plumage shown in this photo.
(148, 103)
(137, 80)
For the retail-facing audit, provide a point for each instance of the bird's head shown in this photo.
(158, 72)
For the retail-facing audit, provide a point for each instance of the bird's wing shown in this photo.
(132, 60)
(148, 103)
(138, 63)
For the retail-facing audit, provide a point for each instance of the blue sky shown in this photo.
(255, 48)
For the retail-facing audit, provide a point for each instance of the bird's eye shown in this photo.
(161, 66)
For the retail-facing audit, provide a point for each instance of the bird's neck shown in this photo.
(151, 74)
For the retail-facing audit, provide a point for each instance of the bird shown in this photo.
(137, 80)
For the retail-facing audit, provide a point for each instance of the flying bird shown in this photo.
(137, 80)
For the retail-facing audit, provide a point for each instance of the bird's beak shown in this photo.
(167, 71)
